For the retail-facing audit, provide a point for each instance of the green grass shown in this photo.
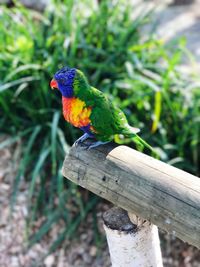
(140, 74)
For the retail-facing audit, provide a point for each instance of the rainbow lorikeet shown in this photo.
(90, 110)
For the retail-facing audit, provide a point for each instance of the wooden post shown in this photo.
(149, 188)
(131, 243)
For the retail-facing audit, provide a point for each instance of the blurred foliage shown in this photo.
(139, 73)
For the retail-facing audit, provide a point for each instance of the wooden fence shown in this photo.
(155, 191)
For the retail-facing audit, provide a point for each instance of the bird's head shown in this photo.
(69, 81)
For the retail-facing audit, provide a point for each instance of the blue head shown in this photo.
(63, 81)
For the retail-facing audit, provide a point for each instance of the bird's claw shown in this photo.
(96, 144)
(81, 139)
(88, 146)
(78, 142)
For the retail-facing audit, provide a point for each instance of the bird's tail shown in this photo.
(141, 144)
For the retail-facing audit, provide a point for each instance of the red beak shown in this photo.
(53, 84)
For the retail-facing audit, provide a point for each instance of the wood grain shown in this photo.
(149, 188)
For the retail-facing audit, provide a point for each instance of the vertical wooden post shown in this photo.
(132, 242)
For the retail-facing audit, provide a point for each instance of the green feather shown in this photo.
(107, 119)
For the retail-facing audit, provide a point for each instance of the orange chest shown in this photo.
(76, 112)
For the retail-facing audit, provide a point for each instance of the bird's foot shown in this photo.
(81, 139)
(97, 143)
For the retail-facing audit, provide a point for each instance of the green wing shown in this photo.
(106, 118)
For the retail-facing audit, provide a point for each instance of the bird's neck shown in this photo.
(67, 90)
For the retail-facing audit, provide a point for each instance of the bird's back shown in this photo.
(106, 118)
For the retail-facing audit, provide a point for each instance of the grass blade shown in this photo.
(24, 164)
(157, 111)
(15, 139)
(8, 85)
(54, 129)
(42, 157)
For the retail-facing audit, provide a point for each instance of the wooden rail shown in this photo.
(149, 188)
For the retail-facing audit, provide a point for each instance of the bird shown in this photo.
(91, 110)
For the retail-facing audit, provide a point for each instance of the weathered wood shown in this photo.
(149, 188)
